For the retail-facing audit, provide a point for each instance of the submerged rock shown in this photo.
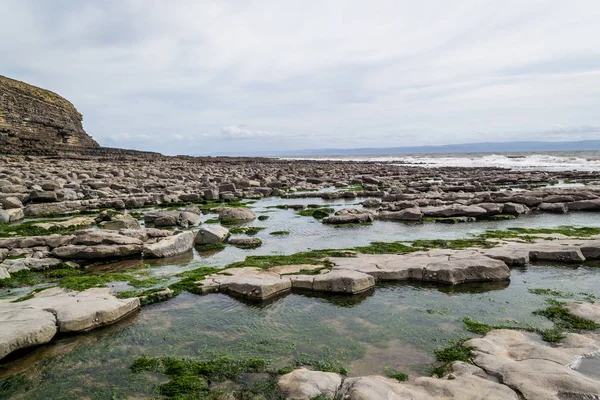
(589, 311)
(303, 384)
(535, 370)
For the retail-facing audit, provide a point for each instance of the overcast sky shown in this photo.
(200, 76)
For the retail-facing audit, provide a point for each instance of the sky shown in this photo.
(240, 76)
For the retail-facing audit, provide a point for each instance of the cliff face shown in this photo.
(34, 120)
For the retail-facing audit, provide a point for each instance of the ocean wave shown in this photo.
(515, 161)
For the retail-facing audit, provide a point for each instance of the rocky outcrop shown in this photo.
(36, 321)
(36, 119)
(507, 365)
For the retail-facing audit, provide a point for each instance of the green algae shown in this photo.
(525, 232)
(190, 379)
(29, 228)
(279, 233)
(395, 374)
(246, 230)
(563, 319)
(190, 278)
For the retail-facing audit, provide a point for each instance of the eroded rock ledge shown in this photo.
(506, 365)
(52, 311)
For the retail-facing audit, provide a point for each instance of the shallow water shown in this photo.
(396, 325)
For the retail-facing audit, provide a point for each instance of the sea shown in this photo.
(539, 161)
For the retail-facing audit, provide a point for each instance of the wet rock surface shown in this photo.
(506, 365)
(39, 319)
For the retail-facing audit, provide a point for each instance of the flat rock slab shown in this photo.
(343, 281)
(535, 370)
(83, 252)
(449, 267)
(303, 384)
(22, 327)
(21, 264)
(82, 311)
(252, 286)
(36, 321)
(589, 311)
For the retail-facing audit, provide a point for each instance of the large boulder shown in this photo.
(212, 234)
(233, 214)
(11, 202)
(170, 246)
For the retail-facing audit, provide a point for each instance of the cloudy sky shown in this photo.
(202, 77)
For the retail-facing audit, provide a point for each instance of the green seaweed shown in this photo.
(563, 319)
(395, 374)
(279, 233)
(189, 284)
(246, 230)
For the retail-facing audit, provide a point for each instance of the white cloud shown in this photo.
(241, 132)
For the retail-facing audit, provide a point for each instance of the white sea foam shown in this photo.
(518, 161)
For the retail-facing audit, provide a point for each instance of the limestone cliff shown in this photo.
(34, 120)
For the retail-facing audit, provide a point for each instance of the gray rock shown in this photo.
(453, 210)
(302, 384)
(103, 237)
(409, 214)
(589, 311)
(123, 223)
(236, 214)
(515, 209)
(585, 205)
(11, 202)
(566, 254)
(343, 281)
(101, 251)
(4, 273)
(245, 243)
(22, 327)
(170, 246)
(556, 208)
(349, 219)
(449, 267)
(534, 370)
(212, 234)
(591, 249)
(4, 216)
(51, 241)
(253, 286)
(36, 264)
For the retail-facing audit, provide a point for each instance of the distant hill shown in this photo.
(484, 147)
